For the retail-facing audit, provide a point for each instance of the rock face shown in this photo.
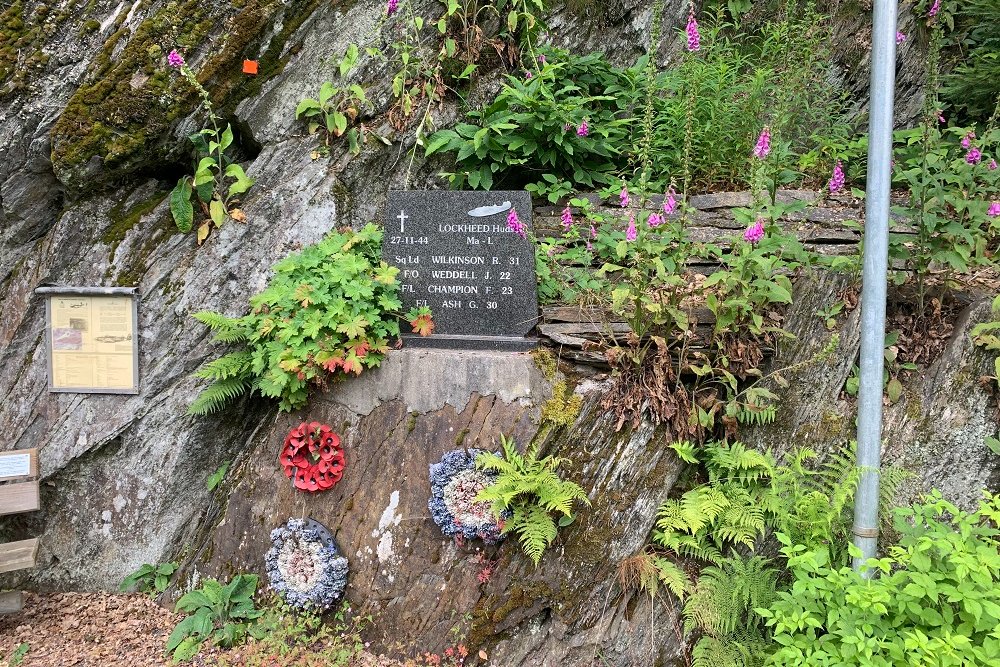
(124, 477)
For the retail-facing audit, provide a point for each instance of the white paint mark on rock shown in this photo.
(389, 516)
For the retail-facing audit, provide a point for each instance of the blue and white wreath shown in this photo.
(304, 566)
(455, 483)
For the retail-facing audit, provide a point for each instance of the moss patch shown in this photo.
(564, 406)
(546, 363)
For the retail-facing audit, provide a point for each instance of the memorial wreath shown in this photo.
(312, 457)
(304, 566)
(455, 483)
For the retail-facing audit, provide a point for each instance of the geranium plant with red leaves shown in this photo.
(312, 457)
(331, 311)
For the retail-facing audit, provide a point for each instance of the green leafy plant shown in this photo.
(330, 310)
(222, 614)
(18, 654)
(891, 372)
(152, 579)
(216, 477)
(532, 133)
(526, 494)
(748, 494)
(987, 336)
(217, 182)
(935, 599)
(302, 639)
(336, 108)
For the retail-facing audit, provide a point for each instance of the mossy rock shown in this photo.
(121, 120)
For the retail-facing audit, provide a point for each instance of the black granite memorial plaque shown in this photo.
(456, 254)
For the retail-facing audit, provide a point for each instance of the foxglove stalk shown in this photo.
(567, 218)
(515, 224)
(631, 233)
(935, 8)
(837, 180)
(175, 59)
(392, 8)
(670, 205)
(763, 147)
(583, 130)
(623, 197)
(693, 36)
(755, 232)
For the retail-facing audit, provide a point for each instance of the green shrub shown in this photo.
(224, 615)
(973, 86)
(527, 492)
(152, 579)
(329, 311)
(935, 599)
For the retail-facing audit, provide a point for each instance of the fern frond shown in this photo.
(536, 531)
(673, 577)
(216, 395)
(232, 365)
(226, 329)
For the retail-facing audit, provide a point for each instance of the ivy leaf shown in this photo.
(180, 205)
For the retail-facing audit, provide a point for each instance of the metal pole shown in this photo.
(875, 278)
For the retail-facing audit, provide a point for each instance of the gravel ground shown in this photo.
(113, 630)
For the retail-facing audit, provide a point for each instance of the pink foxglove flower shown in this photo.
(175, 59)
(593, 232)
(941, 118)
(993, 165)
(541, 59)
(392, 8)
(655, 220)
(994, 209)
(670, 205)
(590, 246)
(515, 224)
(837, 180)
(631, 232)
(623, 196)
(755, 232)
(693, 36)
(973, 156)
(583, 130)
(900, 37)
(763, 147)
(567, 218)
(967, 139)
(935, 8)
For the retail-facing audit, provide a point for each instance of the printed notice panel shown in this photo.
(457, 255)
(92, 344)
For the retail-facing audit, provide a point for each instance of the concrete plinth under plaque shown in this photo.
(457, 255)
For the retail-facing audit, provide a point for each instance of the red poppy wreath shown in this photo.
(312, 457)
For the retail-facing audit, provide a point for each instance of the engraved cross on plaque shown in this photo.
(402, 221)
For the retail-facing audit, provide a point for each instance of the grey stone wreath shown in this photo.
(304, 566)
(455, 482)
